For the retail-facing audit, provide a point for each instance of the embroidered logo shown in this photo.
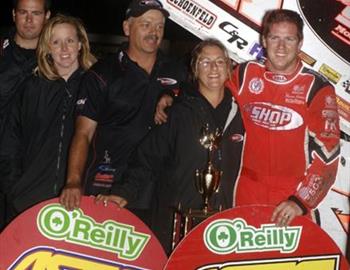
(167, 81)
(256, 86)
(81, 101)
(279, 78)
(236, 137)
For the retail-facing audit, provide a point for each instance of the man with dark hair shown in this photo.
(17, 51)
(47, 4)
(291, 149)
(17, 59)
(116, 107)
(289, 111)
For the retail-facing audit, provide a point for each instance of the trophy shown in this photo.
(207, 182)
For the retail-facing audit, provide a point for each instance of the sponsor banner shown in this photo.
(205, 19)
(237, 24)
(244, 238)
(47, 237)
(328, 25)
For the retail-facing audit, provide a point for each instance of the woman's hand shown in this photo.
(71, 196)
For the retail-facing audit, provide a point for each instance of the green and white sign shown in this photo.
(225, 236)
(56, 223)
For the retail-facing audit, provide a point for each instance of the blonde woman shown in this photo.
(40, 127)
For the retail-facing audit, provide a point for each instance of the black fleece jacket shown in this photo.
(171, 153)
(34, 149)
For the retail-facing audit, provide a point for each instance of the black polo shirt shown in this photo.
(121, 97)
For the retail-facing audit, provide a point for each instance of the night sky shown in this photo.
(99, 16)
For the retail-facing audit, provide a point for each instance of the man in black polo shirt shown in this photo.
(117, 104)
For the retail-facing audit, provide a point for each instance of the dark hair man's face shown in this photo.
(282, 47)
(29, 17)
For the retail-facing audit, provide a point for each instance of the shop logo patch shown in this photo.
(273, 117)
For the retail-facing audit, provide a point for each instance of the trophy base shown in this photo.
(186, 220)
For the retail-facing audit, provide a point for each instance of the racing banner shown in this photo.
(237, 22)
(94, 237)
(243, 238)
(326, 49)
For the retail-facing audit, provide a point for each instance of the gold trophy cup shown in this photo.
(207, 181)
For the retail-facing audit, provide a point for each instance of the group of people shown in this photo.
(72, 127)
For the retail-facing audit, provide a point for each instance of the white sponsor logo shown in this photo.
(293, 100)
(315, 183)
(195, 11)
(298, 89)
(330, 102)
(273, 117)
(330, 117)
(150, 3)
(225, 236)
(279, 78)
(236, 137)
(81, 101)
(297, 95)
(167, 81)
(256, 86)
(5, 44)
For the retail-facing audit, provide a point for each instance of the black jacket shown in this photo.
(121, 97)
(35, 146)
(16, 64)
(170, 154)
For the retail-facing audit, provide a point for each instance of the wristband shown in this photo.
(299, 203)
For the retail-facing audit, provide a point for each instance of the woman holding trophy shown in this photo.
(194, 158)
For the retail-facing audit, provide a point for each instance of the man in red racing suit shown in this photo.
(291, 147)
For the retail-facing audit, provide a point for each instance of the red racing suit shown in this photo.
(291, 148)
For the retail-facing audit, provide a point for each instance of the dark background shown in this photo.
(103, 20)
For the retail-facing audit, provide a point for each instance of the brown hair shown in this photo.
(210, 42)
(46, 66)
(282, 15)
(47, 4)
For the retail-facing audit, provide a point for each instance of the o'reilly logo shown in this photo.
(55, 223)
(226, 236)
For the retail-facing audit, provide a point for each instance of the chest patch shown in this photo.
(256, 85)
